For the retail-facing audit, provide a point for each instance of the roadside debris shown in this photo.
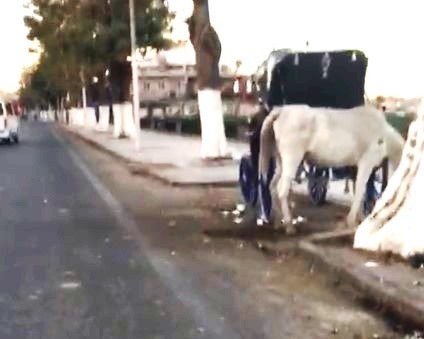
(371, 264)
(70, 285)
(238, 220)
(225, 213)
(334, 330)
(236, 213)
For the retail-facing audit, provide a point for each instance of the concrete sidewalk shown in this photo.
(170, 158)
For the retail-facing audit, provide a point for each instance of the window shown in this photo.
(146, 86)
(161, 85)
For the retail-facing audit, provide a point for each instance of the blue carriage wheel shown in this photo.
(373, 191)
(247, 180)
(317, 185)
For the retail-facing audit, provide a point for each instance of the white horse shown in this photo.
(359, 136)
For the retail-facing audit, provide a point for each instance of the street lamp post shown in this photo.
(134, 68)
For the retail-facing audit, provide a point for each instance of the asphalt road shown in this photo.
(89, 251)
(67, 267)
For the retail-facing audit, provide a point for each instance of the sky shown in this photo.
(387, 31)
(14, 55)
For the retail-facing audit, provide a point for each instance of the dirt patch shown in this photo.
(241, 223)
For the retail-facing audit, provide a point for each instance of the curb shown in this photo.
(145, 170)
(402, 308)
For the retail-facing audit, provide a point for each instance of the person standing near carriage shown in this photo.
(266, 101)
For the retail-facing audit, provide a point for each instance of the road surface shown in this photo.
(88, 251)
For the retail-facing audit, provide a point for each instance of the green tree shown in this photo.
(40, 87)
(152, 21)
(52, 26)
(83, 38)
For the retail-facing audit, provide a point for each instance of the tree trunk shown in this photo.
(395, 224)
(120, 78)
(206, 43)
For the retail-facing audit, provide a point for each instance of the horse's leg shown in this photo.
(346, 188)
(300, 170)
(354, 177)
(273, 184)
(365, 168)
(290, 162)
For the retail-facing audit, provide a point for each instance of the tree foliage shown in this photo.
(80, 39)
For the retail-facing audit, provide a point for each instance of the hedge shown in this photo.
(234, 126)
(399, 122)
(191, 124)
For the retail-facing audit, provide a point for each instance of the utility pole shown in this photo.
(134, 67)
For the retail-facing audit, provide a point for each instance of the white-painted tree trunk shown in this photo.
(214, 142)
(76, 116)
(104, 118)
(90, 118)
(128, 120)
(118, 126)
(395, 225)
(84, 97)
(124, 126)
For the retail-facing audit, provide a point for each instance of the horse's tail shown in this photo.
(267, 142)
(395, 144)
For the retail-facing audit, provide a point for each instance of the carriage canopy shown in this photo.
(319, 79)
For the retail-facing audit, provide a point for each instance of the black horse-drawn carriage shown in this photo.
(319, 79)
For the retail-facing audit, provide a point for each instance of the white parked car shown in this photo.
(9, 123)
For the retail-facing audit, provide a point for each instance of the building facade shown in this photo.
(172, 74)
